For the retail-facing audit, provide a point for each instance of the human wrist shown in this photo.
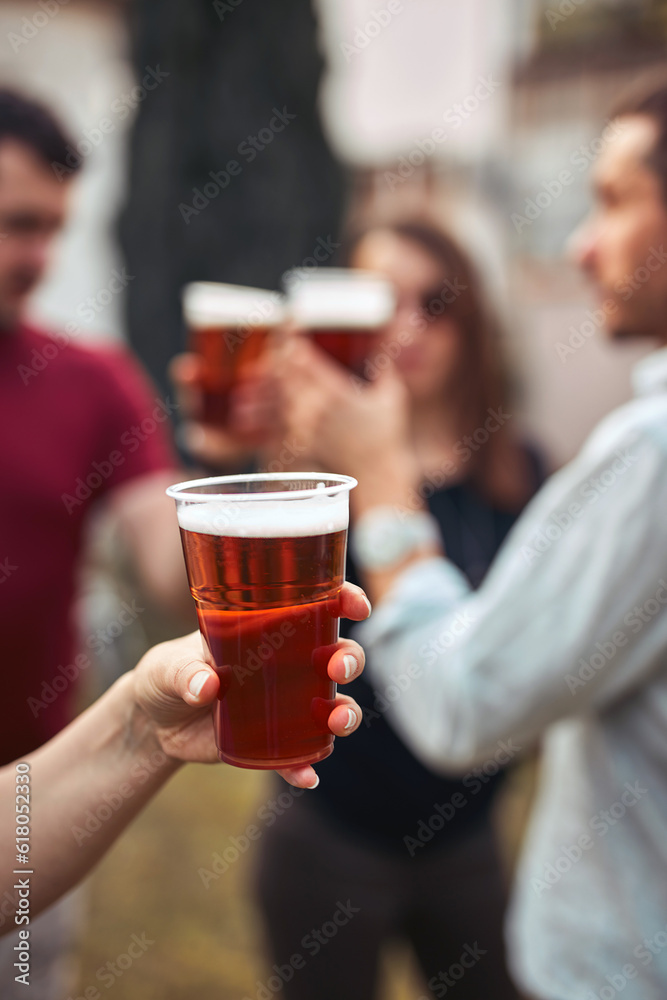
(384, 538)
(392, 479)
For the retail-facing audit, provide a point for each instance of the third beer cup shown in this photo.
(343, 310)
(265, 557)
(228, 327)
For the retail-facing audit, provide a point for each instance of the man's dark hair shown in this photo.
(29, 122)
(648, 96)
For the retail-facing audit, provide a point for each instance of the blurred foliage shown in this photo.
(592, 24)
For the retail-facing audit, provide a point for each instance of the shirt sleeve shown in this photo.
(566, 622)
(137, 431)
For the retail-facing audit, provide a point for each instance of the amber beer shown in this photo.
(343, 310)
(228, 328)
(265, 567)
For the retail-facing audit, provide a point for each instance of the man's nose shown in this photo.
(582, 244)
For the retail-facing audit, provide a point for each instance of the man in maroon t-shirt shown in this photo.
(77, 425)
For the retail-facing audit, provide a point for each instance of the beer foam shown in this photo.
(340, 299)
(208, 303)
(266, 518)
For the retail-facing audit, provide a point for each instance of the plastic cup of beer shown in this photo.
(343, 310)
(265, 558)
(228, 327)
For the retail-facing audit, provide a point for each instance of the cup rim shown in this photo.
(342, 483)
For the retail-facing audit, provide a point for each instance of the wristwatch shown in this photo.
(384, 536)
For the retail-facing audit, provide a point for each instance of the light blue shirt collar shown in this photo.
(649, 376)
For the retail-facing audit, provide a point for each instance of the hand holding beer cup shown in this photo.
(343, 402)
(265, 558)
(175, 690)
(253, 414)
(342, 423)
(223, 382)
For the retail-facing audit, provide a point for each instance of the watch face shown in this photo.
(381, 539)
(392, 543)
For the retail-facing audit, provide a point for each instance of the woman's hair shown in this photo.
(498, 466)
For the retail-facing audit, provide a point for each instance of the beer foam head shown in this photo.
(206, 304)
(339, 298)
(266, 518)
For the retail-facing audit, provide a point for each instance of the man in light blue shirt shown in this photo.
(566, 640)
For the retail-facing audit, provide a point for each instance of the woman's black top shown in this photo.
(372, 785)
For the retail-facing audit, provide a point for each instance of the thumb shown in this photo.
(200, 683)
(175, 673)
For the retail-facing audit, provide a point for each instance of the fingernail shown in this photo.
(351, 719)
(197, 683)
(350, 666)
(368, 605)
(317, 781)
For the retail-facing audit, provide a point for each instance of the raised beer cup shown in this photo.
(343, 310)
(265, 557)
(228, 327)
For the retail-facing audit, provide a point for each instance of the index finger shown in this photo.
(351, 603)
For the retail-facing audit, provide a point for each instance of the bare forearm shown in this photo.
(85, 786)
